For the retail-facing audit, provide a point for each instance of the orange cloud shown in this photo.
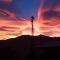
(49, 20)
(47, 23)
(10, 28)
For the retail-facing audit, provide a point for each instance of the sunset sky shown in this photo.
(15, 18)
(22, 8)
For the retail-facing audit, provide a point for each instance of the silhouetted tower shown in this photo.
(32, 20)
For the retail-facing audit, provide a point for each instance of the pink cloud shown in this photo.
(6, 1)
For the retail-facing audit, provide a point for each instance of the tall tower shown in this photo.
(32, 21)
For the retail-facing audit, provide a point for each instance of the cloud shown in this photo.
(6, 13)
(49, 20)
(6, 1)
(47, 23)
(49, 14)
(13, 27)
(7, 27)
(2, 29)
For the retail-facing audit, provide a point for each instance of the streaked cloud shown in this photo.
(6, 1)
(49, 19)
(47, 23)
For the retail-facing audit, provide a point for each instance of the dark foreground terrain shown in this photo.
(30, 48)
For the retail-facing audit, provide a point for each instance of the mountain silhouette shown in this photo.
(27, 39)
(29, 47)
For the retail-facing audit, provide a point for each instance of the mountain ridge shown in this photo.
(38, 41)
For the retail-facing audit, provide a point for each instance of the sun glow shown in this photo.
(47, 23)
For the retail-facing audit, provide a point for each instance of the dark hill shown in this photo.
(39, 41)
(20, 48)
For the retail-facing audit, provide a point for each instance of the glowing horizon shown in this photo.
(45, 23)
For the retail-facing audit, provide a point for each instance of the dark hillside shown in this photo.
(20, 48)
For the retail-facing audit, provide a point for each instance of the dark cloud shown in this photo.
(2, 29)
(49, 14)
(10, 29)
(6, 1)
(6, 27)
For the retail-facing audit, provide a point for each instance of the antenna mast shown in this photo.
(32, 20)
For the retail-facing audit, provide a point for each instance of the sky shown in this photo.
(22, 8)
(15, 18)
